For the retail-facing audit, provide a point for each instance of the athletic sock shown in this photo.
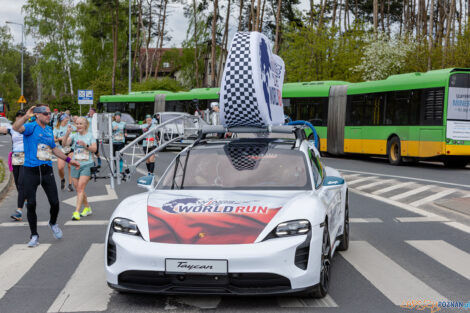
(148, 167)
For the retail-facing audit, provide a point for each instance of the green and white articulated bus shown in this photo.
(410, 116)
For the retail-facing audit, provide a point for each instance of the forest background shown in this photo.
(84, 44)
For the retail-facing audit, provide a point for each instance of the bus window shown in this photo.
(433, 105)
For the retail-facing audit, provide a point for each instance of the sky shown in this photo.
(177, 23)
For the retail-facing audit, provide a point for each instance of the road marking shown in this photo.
(433, 197)
(201, 302)
(446, 254)
(459, 226)
(17, 261)
(111, 195)
(360, 180)
(86, 223)
(86, 290)
(430, 217)
(365, 220)
(411, 192)
(405, 177)
(305, 302)
(376, 183)
(392, 280)
(14, 224)
(397, 186)
(348, 176)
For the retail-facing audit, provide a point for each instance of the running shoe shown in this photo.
(34, 242)
(86, 211)
(70, 187)
(56, 231)
(17, 216)
(76, 216)
(62, 184)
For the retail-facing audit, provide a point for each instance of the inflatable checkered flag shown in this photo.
(251, 91)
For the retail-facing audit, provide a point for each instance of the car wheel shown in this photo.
(344, 239)
(321, 289)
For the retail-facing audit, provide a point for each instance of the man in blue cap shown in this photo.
(39, 146)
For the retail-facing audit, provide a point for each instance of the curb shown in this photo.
(5, 185)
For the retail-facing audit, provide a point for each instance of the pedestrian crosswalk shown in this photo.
(86, 289)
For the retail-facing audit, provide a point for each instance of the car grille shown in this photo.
(234, 283)
(111, 249)
(302, 253)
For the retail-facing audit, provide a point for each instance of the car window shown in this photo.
(167, 117)
(238, 166)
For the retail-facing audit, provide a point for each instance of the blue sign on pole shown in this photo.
(85, 96)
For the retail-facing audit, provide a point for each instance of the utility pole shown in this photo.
(130, 49)
(22, 52)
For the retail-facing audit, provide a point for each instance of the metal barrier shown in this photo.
(183, 127)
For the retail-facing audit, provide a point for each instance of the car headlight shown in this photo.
(125, 226)
(292, 228)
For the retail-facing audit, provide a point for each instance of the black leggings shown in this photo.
(18, 174)
(40, 175)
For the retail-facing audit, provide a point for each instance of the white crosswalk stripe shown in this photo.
(360, 180)
(392, 280)
(376, 183)
(87, 289)
(17, 261)
(391, 188)
(446, 254)
(411, 192)
(433, 197)
(304, 302)
(365, 220)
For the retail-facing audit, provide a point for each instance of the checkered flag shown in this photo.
(240, 104)
(243, 156)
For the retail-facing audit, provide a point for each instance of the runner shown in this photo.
(59, 132)
(119, 134)
(92, 112)
(17, 161)
(39, 146)
(149, 143)
(84, 144)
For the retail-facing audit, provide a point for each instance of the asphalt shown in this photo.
(352, 289)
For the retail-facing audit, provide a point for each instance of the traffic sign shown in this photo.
(22, 99)
(85, 96)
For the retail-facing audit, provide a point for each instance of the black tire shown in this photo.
(344, 238)
(394, 151)
(321, 289)
(455, 162)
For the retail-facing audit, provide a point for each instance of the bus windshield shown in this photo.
(458, 104)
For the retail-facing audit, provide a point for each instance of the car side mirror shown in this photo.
(333, 181)
(147, 182)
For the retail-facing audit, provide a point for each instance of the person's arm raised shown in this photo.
(18, 125)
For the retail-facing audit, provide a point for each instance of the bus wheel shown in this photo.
(453, 162)
(394, 151)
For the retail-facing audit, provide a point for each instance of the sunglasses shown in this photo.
(46, 113)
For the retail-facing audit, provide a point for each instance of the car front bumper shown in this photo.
(267, 267)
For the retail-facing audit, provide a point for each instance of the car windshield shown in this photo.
(238, 166)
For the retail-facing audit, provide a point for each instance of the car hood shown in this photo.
(212, 217)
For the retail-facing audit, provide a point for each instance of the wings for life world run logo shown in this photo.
(271, 94)
(196, 205)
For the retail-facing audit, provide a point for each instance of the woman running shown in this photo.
(149, 143)
(84, 144)
(17, 161)
(59, 132)
(119, 136)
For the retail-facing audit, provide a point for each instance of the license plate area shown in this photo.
(197, 266)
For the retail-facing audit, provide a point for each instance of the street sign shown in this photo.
(22, 99)
(85, 96)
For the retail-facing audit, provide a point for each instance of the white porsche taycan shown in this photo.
(241, 216)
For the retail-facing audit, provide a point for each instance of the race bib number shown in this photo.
(17, 158)
(150, 142)
(81, 154)
(119, 137)
(44, 152)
